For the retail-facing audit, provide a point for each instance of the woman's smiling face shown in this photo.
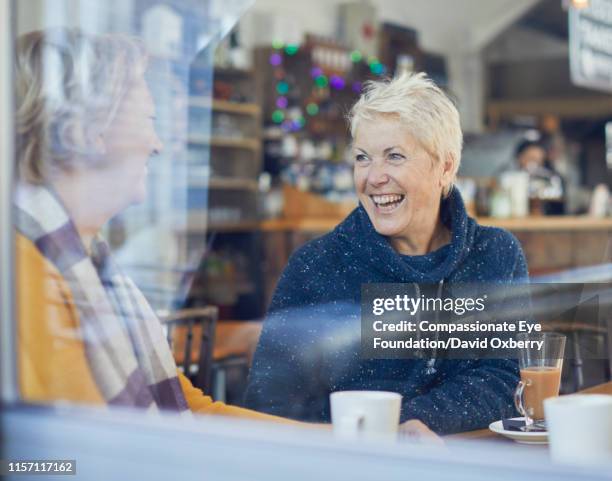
(398, 182)
(130, 141)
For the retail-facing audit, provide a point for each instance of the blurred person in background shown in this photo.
(546, 186)
(558, 163)
(411, 226)
(530, 155)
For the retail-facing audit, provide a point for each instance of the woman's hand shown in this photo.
(417, 431)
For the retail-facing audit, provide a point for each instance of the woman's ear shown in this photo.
(79, 138)
(98, 144)
(448, 170)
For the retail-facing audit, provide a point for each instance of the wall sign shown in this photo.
(590, 38)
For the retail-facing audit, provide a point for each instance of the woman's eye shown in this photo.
(361, 158)
(396, 157)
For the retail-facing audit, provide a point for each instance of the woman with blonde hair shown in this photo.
(410, 227)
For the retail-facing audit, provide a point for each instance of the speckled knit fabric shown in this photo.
(310, 342)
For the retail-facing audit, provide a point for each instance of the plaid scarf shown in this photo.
(125, 346)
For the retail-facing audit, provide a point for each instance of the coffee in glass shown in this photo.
(540, 366)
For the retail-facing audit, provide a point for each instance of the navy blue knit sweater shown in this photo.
(309, 345)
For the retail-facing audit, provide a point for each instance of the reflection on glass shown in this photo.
(102, 123)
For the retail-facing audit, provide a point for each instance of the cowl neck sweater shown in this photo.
(303, 353)
(358, 234)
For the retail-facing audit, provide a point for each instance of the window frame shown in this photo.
(8, 367)
(270, 452)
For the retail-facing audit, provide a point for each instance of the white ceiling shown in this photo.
(444, 25)
(455, 24)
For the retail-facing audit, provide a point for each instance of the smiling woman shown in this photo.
(410, 227)
(85, 136)
(406, 157)
(84, 122)
(399, 185)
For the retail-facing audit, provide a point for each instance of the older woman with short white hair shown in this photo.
(410, 227)
(85, 136)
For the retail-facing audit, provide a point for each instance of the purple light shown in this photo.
(282, 102)
(286, 125)
(276, 59)
(296, 125)
(315, 72)
(337, 82)
(357, 87)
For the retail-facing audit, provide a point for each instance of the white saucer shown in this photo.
(520, 436)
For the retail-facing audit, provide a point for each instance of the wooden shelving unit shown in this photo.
(225, 136)
(566, 107)
(226, 142)
(233, 72)
(225, 106)
(236, 108)
(232, 183)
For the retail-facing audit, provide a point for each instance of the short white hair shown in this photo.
(422, 106)
(69, 86)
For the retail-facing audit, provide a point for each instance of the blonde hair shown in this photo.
(423, 107)
(69, 86)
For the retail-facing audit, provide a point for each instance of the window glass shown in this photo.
(113, 139)
(263, 209)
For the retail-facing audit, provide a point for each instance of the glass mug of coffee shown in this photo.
(540, 364)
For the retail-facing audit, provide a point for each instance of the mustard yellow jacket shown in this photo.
(51, 355)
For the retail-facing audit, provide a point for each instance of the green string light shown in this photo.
(377, 68)
(282, 87)
(291, 49)
(312, 109)
(356, 56)
(278, 116)
(321, 81)
(277, 44)
(301, 121)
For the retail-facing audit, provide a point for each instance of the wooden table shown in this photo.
(488, 435)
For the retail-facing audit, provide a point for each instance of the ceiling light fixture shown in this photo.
(580, 4)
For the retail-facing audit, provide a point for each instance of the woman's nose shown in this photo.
(158, 145)
(377, 174)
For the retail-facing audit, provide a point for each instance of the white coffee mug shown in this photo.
(580, 428)
(368, 414)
